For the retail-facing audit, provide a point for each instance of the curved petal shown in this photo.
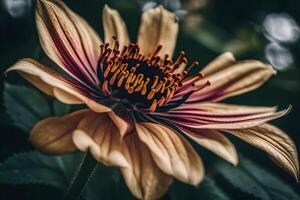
(221, 62)
(114, 25)
(54, 84)
(98, 133)
(219, 116)
(158, 27)
(83, 129)
(54, 135)
(124, 124)
(232, 80)
(213, 141)
(171, 152)
(224, 109)
(68, 40)
(277, 144)
(144, 179)
(104, 143)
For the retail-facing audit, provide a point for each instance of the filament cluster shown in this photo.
(145, 81)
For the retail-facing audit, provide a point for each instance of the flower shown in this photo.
(141, 104)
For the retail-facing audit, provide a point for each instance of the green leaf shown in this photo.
(206, 190)
(209, 190)
(59, 108)
(276, 188)
(24, 105)
(107, 183)
(252, 179)
(27, 106)
(36, 168)
(240, 179)
(81, 178)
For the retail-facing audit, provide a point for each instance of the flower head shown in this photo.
(141, 102)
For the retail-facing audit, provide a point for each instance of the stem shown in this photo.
(81, 178)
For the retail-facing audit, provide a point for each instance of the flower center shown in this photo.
(141, 81)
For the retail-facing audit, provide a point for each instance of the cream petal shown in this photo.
(101, 151)
(171, 152)
(114, 26)
(158, 27)
(98, 133)
(215, 142)
(68, 40)
(220, 63)
(54, 135)
(277, 144)
(232, 80)
(54, 84)
(144, 179)
(124, 124)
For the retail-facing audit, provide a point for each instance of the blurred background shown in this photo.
(266, 30)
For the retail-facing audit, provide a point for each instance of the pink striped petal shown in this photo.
(219, 116)
(227, 79)
(68, 40)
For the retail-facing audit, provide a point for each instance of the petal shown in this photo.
(68, 40)
(98, 133)
(114, 26)
(144, 179)
(158, 27)
(224, 109)
(124, 124)
(104, 144)
(215, 142)
(219, 116)
(277, 144)
(54, 135)
(83, 129)
(232, 80)
(171, 152)
(54, 84)
(220, 63)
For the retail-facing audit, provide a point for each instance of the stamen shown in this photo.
(147, 81)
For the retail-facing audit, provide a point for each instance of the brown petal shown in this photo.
(215, 142)
(114, 26)
(232, 80)
(158, 27)
(54, 84)
(144, 179)
(54, 135)
(68, 40)
(277, 144)
(171, 152)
